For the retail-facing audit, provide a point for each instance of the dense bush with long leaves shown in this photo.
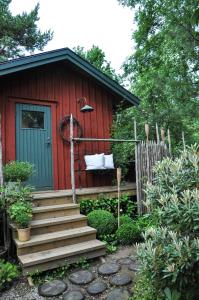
(169, 256)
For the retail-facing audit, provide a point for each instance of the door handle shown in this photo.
(48, 141)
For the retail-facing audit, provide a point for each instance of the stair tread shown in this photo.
(53, 221)
(54, 236)
(57, 220)
(54, 207)
(58, 253)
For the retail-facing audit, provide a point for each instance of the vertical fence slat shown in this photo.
(147, 154)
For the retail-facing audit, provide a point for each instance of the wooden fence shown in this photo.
(147, 154)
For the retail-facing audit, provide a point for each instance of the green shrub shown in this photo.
(169, 256)
(21, 213)
(2, 203)
(103, 221)
(17, 171)
(124, 219)
(127, 205)
(15, 192)
(174, 176)
(128, 234)
(169, 261)
(8, 272)
(181, 213)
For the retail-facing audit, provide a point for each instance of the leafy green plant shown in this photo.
(180, 213)
(173, 176)
(127, 205)
(2, 203)
(169, 256)
(128, 234)
(172, 295)
(125, 219)
(8, 273)
(111, 242)
(169, 260)
(103, 221)
(15, 192)
(40, 277)
(17, 171)
(20, 213)
(82, 263)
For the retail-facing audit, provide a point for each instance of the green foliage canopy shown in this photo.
(20, 33)
(164, 69)
(96, 57)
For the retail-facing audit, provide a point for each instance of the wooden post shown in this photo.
(1, 160)
(147, 149)
(119, 176)
(157, 133)
(136, 170)
(72, 168)
(183, 141)
(147, 131)
(162, 135)
(169, 141)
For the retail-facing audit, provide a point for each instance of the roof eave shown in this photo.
(67, 54)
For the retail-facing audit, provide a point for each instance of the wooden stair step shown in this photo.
(49, 259)
(55, 224)
(54, 240)
(51, 198)
(53, 211)
(59, 220)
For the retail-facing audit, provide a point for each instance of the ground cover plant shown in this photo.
(169, 256)
(8, 273)
(127, 205)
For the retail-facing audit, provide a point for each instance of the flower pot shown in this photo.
(23, 234)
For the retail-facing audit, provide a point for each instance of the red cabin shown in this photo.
(36, 93)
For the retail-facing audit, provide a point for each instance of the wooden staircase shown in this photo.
(59, 235)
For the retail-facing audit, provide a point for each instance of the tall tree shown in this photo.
(97, 58)
(20, 33)
(164, 69)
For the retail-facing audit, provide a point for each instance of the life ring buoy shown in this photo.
(65, 123)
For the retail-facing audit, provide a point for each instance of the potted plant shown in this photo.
(20, 213)
(17, 171)
(15, 192)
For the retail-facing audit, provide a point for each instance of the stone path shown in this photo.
(111, 280)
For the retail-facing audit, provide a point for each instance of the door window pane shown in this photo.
(32, 119)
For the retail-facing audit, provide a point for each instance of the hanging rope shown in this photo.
(65, 124)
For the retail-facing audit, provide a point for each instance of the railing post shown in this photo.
(72, 168)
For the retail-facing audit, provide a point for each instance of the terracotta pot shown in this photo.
(24, 234)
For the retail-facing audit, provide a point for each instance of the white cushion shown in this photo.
(108, 161)
(94, 162)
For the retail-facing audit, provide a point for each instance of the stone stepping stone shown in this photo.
(133, 267)
(118, 294)
(108, 268)
(81, 277)
(125, 261)
(121, 279)
(96, 287)
(51, 289)
(73, 295)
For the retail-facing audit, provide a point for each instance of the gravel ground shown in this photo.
(21, 290)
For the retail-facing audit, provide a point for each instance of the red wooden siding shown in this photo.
(60, 86)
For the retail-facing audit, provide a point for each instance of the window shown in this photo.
(32, 119)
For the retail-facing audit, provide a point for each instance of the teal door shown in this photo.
(34, 142)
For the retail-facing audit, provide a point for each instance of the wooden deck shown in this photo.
(89, 193)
